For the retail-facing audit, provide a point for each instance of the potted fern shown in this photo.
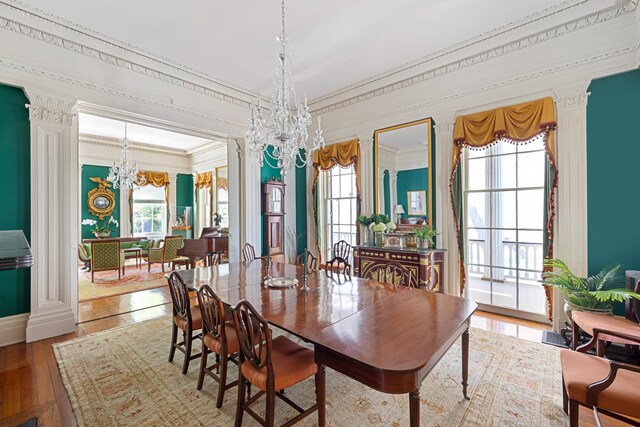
(595, 293)
(425, 235)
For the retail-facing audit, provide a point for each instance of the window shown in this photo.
(149, 211)
(340, 207)
(223, 206)
(504, 208)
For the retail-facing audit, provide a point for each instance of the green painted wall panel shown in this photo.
(411, 180)
(301, 209)
(185, 192)
(387, 193)
(15, 173)
(613, 153)
(91, 171)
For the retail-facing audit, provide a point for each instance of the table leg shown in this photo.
(321, 394)
(414, 408)
(465, 362)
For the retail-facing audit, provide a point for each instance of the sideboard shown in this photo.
(426, 265)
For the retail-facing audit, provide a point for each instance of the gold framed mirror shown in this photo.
(403, 169)
(101, 201)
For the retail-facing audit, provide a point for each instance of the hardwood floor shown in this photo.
(31, 386)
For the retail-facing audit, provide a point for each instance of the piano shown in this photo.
(211, 243)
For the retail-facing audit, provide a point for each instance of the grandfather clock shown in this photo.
(273, 217)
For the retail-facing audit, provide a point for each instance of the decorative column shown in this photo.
(235, 156)
(125, 214)
(173, 189)
(54, 215)
(444, 213)
(393, 193)
(570, 238)
(290, 240)
(366, 173)
(380, 190)
(250, 209)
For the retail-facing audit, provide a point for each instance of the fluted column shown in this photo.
(366, 172)
(250, 210)
(570, 241)
(235, 156)
(445, 223)
(54, 215)
(125, 213)
(380, 190)
(393, 192)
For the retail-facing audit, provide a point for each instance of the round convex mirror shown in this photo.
(101, 202)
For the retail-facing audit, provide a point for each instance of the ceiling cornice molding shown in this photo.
(105, 141)
(604, 57)
(464, 45)
(162, 70)
(93, 87)
(595, 18)
(210, 147)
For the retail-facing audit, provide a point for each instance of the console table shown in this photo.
(426, 265)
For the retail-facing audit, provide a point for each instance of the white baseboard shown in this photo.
(13, 329)
(50, 324)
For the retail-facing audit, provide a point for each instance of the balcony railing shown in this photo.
(525, 256)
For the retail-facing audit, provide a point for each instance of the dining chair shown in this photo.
(588, 322)
(219, 337)
(312, 261)
(186, 318)
(341, 249)
(248, 253)
(340, 259)
(272, 365)
(606, 386)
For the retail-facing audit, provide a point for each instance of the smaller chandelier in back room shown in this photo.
(125, 175)
(285, 125)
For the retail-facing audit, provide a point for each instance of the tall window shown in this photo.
(504, 204)
(340, 207)
(223, 206)
(149, 211)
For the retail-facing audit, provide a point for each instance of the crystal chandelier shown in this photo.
(285, 125)
(125, 175)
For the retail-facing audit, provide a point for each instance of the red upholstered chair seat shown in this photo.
(590, 321)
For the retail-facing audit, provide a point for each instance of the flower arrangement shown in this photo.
(101, 228)
(426, 234)
(377, 222)
(378, 227)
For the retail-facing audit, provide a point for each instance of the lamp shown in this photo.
(399, 210)
(285, 126)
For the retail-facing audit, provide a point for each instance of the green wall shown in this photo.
(411, 180)
(90, 171)
(185, 192)
(613, 172)
(301, 209)
(15, 173)
(387, 193)
(266, 174)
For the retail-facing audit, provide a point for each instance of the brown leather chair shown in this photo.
(312, 261)
(588, 322)
(607, 386)
(219, 337)
(186, 318)
(272, 366)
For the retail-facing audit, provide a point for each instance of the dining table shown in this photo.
(388, 337)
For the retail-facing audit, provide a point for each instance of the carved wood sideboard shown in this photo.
(426, 265)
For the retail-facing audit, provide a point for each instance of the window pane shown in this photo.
(506, 176)
(531, 209)
(530, 252)
(505, 250)
(504, 288)
(345, 211)
(504, 209)
(531, 169)
(477, 209)
(477, 174)
(345, 186)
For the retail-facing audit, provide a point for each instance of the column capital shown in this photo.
(366, 141)
(393, 174)
(571, 97)
(51, 109)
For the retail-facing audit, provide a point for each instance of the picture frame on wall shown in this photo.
(416, 202)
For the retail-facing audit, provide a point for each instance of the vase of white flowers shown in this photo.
(101, 230)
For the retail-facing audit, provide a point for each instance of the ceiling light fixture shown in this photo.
(125, 176)
(285, 125)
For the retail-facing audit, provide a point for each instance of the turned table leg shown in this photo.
(414, 408)
(465, 362)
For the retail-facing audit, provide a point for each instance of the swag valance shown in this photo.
(516, 124)
(204, 180)
(157, 179)
(222, 183)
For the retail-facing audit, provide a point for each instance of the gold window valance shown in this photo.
(204, 180)
(222, 183)
(344, 154)
(157, 179)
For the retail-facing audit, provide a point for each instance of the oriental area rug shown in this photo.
(106, 283)
(122, 377)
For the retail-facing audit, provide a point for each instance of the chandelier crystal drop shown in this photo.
(285, 125)
(125, 175)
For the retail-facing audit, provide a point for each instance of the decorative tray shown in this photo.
(280, 282)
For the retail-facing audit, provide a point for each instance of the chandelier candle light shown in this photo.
(125, 175)
(285, 125)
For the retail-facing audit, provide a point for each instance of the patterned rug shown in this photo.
(106, 283)
(122, 377)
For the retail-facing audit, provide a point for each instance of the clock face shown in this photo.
(101, 202)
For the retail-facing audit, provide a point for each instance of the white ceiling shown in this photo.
(405, 138)
(109, 128)
(337, 42)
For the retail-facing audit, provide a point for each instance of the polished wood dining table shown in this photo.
(385, 336)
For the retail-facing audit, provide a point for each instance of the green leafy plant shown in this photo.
(102, 227)
(595, 292)
(365, 220)
(426, 232)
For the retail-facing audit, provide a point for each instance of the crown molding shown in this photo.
(628, 6)
(46, 109)
(161, 69)
(482, 89)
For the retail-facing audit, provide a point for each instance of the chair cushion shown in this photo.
(580, 369)
(144, 244)
(126, 245)
(196, 319)
(215, 345)
(291, 362)
(588, 321)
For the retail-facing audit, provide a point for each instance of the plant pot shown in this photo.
(367, 236)
(423, 243)
(568, 308)
(102, 234)
(379, 240)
